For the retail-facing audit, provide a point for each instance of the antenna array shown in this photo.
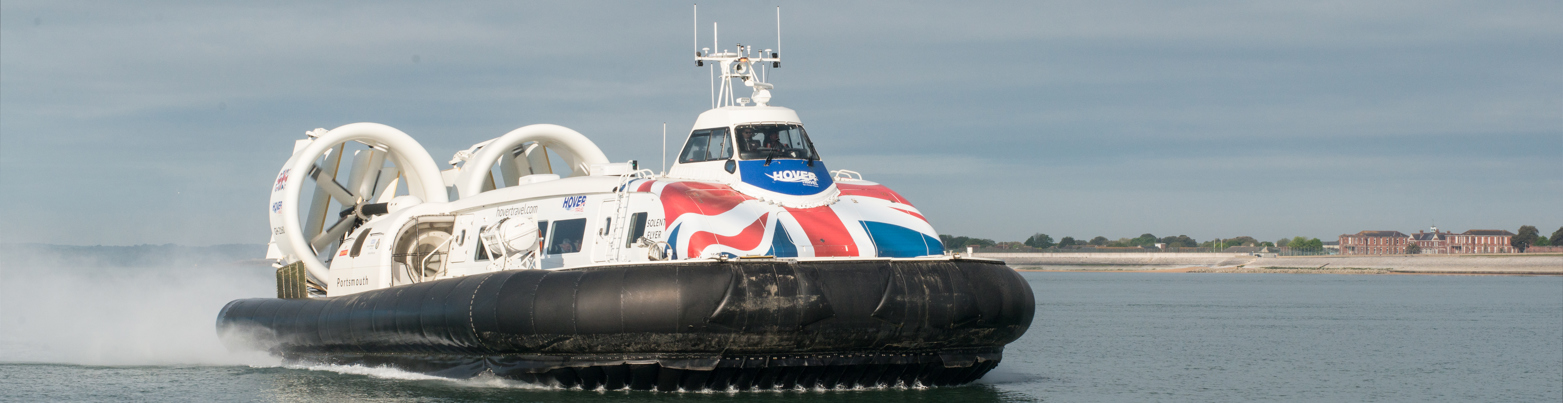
(739, 64)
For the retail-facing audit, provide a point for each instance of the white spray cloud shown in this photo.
(85, 305)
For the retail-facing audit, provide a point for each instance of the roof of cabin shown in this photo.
(731, 115)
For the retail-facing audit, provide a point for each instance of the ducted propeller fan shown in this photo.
(383, 159)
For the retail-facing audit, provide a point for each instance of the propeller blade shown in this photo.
(315, 220)
(334, 233)
(366, 167)
(386, 180)
(386, 196)
(537, 159)
(507, 165)
(329, 185)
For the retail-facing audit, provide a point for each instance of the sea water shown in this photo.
(138, 334)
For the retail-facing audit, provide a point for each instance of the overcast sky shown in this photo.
(127, 123)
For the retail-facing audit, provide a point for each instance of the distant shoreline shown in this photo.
(1470, 265)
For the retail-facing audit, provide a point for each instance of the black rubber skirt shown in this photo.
(737, 324)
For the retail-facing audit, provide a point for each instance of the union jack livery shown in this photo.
(746, 264)
(870, 220)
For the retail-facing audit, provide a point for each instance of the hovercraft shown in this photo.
(746, 265)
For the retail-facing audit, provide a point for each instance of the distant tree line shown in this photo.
(1246, 241)
(1529, 236)
(960, 242)
(1045, 241)
(1300, 243)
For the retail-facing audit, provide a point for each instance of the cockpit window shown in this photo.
(720, 149)
(758, 142)
(695, 149)
(707, 145)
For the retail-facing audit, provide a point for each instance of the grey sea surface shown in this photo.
(1097, 337)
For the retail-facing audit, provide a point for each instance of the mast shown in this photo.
(738, 64)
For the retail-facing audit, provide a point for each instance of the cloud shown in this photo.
(120, 122)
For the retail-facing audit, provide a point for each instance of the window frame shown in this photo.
(553, 241)
(637, 228)
(726, 145)
(745, 153)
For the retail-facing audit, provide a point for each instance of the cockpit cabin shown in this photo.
(762, 151)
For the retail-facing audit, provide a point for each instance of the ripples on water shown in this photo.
(1097, 337)
(52, 382)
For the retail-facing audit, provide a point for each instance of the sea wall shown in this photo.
(1440, 264)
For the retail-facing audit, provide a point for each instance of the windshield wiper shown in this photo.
(771, 155)
(812, 155)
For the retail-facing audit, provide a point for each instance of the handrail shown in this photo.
(842, 174)
(616, 227)
(424, 265)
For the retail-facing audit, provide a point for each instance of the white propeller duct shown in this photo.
(578, 151)
(528, 159)
(370, 183)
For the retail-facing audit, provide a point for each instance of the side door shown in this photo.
(602, 234)
(462, 245)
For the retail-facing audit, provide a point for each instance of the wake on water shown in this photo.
(491, 381)
(1001, 375)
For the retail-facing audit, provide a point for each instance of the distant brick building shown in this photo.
(1481, 241)
(1432, 243)
(1374, 243)
(1435, 242)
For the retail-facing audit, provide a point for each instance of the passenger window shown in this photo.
(637, 228)
(567, 236)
